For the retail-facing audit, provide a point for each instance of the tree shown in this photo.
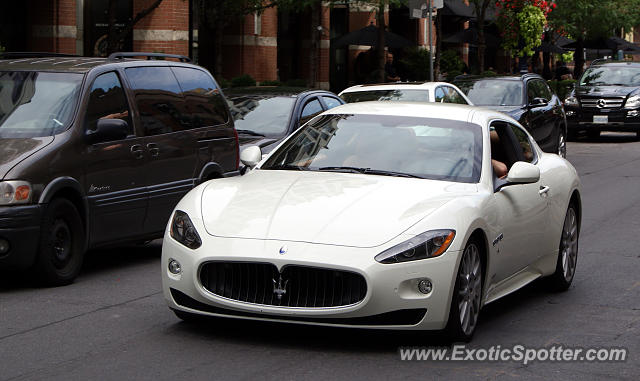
(591, 19)
(480, 7)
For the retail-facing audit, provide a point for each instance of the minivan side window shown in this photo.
(107, 100)
(311, 109)
(159, 99)
(203, 98)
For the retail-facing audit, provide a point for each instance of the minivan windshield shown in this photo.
(36, 104)
(611, 76)
(493, 92)
(384, 145)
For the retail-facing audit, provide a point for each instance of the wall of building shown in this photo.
(165, 30)
(52, 26)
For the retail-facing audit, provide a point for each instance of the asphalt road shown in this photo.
(113, 324)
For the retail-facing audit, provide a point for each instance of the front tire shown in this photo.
(467, 295)
(567, 252)
(61, 249)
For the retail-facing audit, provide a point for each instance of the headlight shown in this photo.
(15, 192)
(426, 245)
(183, 231)
(633, 102)
(571, 101)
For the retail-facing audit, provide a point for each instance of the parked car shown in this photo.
(526, 98)
(98, 151)
(347, 224)
(607, 98)
(440, 92)
(265, 116)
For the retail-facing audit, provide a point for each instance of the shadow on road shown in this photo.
(95, 262)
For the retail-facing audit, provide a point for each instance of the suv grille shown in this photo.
(601, 102)
(296, 286)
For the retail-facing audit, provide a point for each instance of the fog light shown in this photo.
(4, 246)
(174, 267)
(632, 113)
(425, 286)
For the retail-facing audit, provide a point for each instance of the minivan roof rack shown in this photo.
(121, 55)
(14, 55)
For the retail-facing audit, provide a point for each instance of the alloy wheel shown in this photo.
(569, 245)
(469, 289)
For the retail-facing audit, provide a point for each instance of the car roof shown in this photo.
(394, 86)
(77, 64)
(264, 92)
(514, 77)
(411, 109)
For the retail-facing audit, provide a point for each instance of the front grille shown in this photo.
(296, 286)
(606, 102)
(394, 318)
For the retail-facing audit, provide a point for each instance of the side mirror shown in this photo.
(523, 173)
(251, 156)
(108, 130)
(537, 102)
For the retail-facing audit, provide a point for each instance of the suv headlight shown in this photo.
(183, 231)
(633, 102)
(571, 101)
(426, 245)
(15, 192)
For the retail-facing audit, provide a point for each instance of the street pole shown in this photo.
(430, 44)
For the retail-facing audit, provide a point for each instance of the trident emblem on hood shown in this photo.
(280, 287)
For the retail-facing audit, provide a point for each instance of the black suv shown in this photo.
(526, 98)
(607, 98)
(98, 151)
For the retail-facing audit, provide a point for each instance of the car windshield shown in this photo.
(387, 95)
(267, 116)
(611, 75)
(493, 92)
(388, 145)
(36, 104)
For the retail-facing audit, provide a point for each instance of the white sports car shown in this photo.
(377, 215)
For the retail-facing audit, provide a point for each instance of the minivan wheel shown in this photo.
(61, 248)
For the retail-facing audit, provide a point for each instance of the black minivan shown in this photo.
(98, 151)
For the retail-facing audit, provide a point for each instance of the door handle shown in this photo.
(543, 190)
(136, 151)
(153, 149)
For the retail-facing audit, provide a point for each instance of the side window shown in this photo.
(107, 100)
(439, 94)
(531, 91)
(545, 91)
(454, 97)
(159, 100)
(524, 143)
(204, 101)
(331, 102)
(311, 109)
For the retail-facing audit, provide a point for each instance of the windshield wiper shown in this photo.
(368, 171)
(249, 132)
(288, 167)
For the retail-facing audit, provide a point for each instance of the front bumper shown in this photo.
(20, 226)
(582, 119)
(392, 300)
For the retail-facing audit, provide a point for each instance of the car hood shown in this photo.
(605, 91)
(322, 207)
(14, 150)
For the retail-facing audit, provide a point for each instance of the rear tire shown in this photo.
(467, 295)
(62, 244)
(561, 279)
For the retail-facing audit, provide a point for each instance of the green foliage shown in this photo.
(223, 83)
(562, 88)
(594, 18)
(450, 60)
(270, 83)
(566, 57)
(451, 75)
(415, 64)
(489, 73)
(522, 23)
(242, 81)
(531, 20)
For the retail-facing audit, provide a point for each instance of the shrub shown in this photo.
(242, 81)
(414, 65)
(270, 83)
(450, 61)
(562, 88)
(296, 83)
(223, 83)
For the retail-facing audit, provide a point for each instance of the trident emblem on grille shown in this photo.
(280, 287)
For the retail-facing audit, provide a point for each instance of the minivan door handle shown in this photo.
(136, 151)
(153, 149)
